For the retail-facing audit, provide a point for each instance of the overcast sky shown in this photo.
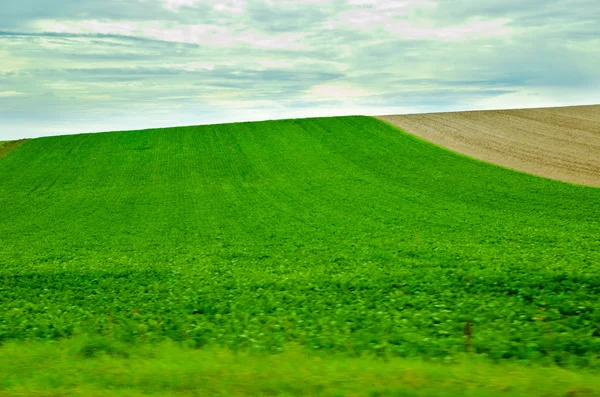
(69, 66)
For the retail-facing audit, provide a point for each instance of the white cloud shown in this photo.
(394, 18)
(381, 5)
(473, 29)
(212, 35)
(190, 66)
(5, 94)
(337, 90)
(124, 28)
(230, 6)
(533, 98)
(203, 34)
(174, 5)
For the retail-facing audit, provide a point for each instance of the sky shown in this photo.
(74, 66)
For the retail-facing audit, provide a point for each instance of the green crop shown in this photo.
(339, 234)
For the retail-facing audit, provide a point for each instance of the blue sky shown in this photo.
(70, 66)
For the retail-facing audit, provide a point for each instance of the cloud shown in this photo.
(337, 90)
(230, 6)
(5, 94)
(200, 34)
(224, 6)
(475, 29)
(84, 65)
(174, 5)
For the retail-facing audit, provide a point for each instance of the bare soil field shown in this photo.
(559, 143)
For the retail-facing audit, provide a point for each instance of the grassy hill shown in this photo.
(338, 234)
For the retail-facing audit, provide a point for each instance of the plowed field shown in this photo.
(558, 143)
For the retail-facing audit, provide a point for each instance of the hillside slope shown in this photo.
(341, 234)
(560, 143)
(8, 146)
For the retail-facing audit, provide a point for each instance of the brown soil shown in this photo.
(559, 143)
(7, 147)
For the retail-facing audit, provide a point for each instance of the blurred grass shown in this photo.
(101, 367)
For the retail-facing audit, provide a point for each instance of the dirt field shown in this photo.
(559, 143)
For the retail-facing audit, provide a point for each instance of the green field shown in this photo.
(343, 236)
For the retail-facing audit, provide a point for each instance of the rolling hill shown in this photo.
(341, 235)
(334, 232)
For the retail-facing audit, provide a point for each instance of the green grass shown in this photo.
(95, 367)
(341, 235)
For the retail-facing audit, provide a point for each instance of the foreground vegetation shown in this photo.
(97, 367)
(342, 235)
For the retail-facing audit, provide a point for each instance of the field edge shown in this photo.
(472, 158)
(8, 146)
(557, 143)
